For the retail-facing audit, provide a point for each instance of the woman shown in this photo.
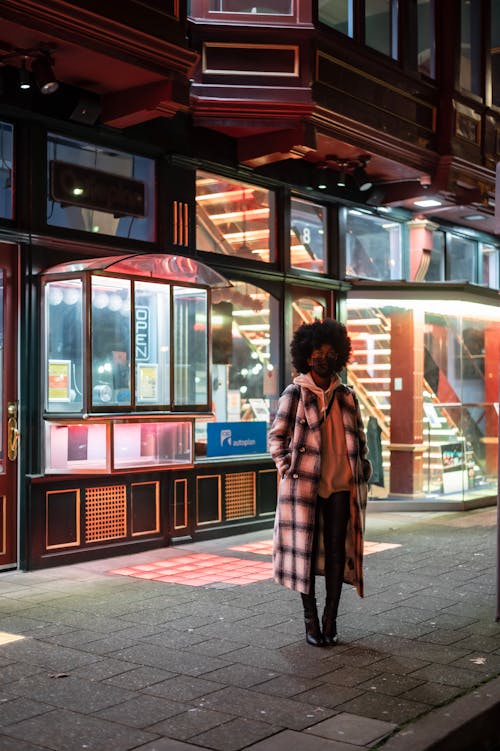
(319, 447)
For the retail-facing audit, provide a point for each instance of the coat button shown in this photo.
(295, 477)
(302, 449)
(302, 422)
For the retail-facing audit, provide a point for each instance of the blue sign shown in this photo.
(234, 438)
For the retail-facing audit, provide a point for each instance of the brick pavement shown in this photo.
(104, 661)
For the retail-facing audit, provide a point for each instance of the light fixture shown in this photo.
(44, 75)
(361, 179)
(41, 66)
(24, 76)
(427, 203)
(351, 172)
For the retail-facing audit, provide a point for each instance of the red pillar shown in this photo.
(407, 377)
(491, 386)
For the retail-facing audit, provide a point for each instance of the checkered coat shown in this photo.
(295, 445)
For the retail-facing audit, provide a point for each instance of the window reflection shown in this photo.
(245, 356)
(470, 47)
(234, 218)
(110, 341)
(308, 239)
(108, 192)
(338, 15)
(373, 246)
(460, 259)
(63, 314)
(381, 26)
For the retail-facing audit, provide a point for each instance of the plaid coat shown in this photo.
(295, 445)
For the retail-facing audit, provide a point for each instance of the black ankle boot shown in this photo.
(329, 622)
(311, 620)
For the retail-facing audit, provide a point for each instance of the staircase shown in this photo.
(448, 461)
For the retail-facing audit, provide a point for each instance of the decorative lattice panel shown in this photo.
(240, 495)
(105, 513)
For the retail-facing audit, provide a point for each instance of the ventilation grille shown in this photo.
(240, 495)
(105, 513)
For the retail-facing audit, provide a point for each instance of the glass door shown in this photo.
(9, 435)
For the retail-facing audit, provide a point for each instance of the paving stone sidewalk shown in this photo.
(110, 662)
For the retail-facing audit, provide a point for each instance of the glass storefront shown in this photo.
(426, 372)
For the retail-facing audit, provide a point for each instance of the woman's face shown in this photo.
(323, 361)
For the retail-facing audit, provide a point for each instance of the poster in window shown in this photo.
(147, 386)
(59, 380)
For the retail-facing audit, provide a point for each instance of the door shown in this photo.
(8, 405)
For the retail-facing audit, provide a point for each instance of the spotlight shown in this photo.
(361, 179)
(24, 76)
(44, 75)
(341, 179)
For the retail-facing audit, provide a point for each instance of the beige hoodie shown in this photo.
(336, 472)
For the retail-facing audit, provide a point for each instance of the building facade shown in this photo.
(180, 187)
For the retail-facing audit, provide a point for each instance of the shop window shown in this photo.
(489, 265)
(234, 218)
(372, 246)
(6, 170)
(308, 238)
(190, 346)
(460, 259)
(443, 358)
(96, 189)
(115, 377)
(245, 366)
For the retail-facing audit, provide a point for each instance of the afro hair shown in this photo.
(311, 336)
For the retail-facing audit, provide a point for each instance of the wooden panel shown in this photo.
(105, 513)
(240, 495)
(145, 508)
(62, 518)
(208, 499)
(274, 60)
(369, 98)
(267, 491)
(180, 504)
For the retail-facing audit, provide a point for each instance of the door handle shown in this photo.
(12, 431)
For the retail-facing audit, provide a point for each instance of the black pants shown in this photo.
(334, 512)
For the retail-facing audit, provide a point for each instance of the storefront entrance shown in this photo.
(8, 405)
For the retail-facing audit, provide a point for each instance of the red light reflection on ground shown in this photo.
(199, 569)
(203, 569)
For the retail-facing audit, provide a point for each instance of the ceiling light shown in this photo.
(24, 76)
(427, 203)
(474, 217)
(44, 75)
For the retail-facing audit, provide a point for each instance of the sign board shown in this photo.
(74, 185)
(236, 438)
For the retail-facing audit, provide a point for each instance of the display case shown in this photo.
(126, 347)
